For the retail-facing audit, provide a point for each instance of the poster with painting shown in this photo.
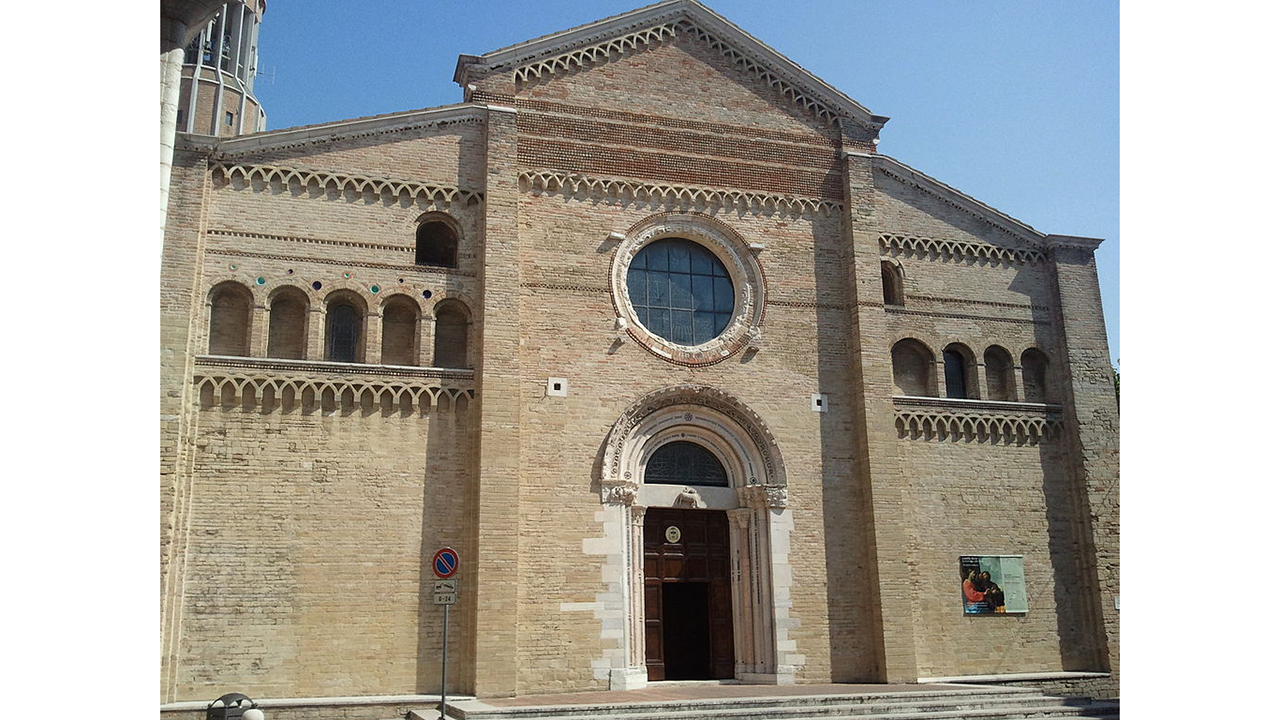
(992, 584)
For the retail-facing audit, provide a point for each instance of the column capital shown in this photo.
(617, 493)
(763, 496)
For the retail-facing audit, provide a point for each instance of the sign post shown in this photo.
(445, 592)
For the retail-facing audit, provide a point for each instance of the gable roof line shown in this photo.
(967, 203)
(557, 46)
(370, 125)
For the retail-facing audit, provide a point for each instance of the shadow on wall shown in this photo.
(845, 504)
(447, 505)
(1082, 648)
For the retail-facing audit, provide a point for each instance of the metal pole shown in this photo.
(444, 661)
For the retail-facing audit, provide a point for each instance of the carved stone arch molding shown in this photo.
(759, 519)
(711, 417)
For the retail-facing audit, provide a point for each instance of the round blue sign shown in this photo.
(445, 563)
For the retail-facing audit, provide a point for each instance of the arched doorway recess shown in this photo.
(755, 502)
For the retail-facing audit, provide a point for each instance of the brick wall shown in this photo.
(293, 541)
(306, 559)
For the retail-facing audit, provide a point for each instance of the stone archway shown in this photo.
(756, 505)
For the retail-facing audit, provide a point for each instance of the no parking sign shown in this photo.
(445, 563)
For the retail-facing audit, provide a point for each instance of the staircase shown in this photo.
(957, 703)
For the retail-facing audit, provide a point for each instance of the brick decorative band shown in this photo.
(963, 316)
(807, 304)
(314, 241)
(261, 390)
(680, 142)
(343, 263)
(663, 32)
(955, 250)
(622, 116)
(582, 157)
(325, 368)
(567, 288)
(685, 196)
(335, 185)
(987, 303)
(976, 425)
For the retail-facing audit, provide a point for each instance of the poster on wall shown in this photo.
(992, 584)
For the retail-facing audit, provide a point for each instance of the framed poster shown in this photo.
(991, 584)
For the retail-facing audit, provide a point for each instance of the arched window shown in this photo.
(1035, 376)
(891, 280)
(437, 245)
(400, 332)
(230, 305)
(999, 365)
(344, 331)
(452, 321)
(959, 371)
(912, 368)
(680, 291)
(287, 325)
(685, 463)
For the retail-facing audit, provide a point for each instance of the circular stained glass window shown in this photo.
(680, 291)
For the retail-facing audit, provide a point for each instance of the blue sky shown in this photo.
(1015, 103)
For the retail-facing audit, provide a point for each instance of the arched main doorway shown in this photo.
(694, 490)
(688, 607)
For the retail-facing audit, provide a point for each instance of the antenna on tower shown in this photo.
(268, 75)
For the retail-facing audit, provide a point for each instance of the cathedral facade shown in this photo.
(696, 382)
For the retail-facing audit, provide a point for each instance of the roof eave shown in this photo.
(972, 204)
(540, 48)
(341, 128)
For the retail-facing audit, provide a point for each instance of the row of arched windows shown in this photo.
(996, 377)
(345, 317)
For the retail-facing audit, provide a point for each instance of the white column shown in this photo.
(634, 674)
(170, 84)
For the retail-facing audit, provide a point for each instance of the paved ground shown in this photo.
(709, 690)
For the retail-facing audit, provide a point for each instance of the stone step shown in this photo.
(1005, 704)
(470, 711)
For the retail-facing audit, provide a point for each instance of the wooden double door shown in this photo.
(688, 607)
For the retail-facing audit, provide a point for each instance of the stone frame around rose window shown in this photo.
(730, 249)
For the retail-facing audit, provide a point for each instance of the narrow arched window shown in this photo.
(953, 367)
(400, 332)
(437, 244)
(287, 325)
(999, 368)
(912, 369)
(452, 321)
(1035, 376)
(891, 282)
(344, 331)
(230, 305)
(960, 371)
(685, 463)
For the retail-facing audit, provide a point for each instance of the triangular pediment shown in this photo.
(586, 45)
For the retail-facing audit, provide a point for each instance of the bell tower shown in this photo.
(218, 67)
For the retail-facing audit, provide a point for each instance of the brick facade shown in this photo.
(302, 499)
